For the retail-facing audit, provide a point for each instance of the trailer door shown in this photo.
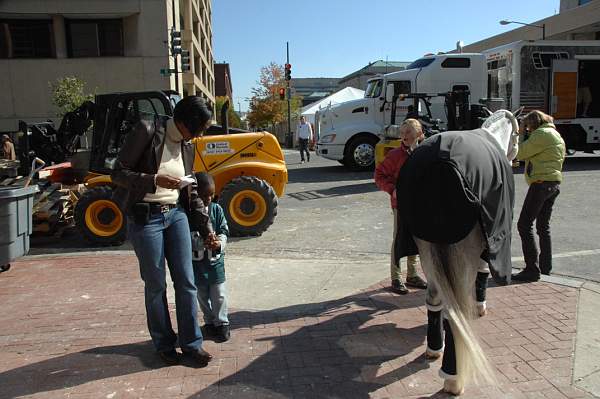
(564, 89)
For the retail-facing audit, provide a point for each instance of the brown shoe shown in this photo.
(416, 282)
(199, 356)
(399, 288)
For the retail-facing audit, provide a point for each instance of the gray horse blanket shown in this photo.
(450, 182)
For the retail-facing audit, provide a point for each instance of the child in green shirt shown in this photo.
(209, 265)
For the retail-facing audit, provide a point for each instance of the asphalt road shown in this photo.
(334, 214)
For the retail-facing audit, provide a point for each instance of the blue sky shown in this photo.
(332, 38)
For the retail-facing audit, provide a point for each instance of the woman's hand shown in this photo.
(166, 181)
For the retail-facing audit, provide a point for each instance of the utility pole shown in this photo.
(289, 96)
(175, 55)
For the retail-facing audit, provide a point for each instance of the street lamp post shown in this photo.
(542, 26)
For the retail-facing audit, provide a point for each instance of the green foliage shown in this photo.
(69, 93)
(266, 109)
(234, 119)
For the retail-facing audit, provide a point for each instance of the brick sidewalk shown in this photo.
(75, 327)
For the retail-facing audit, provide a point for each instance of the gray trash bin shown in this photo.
(16, 205)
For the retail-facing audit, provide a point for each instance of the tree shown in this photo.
(68, 93)
(266, 109)
(234, 119)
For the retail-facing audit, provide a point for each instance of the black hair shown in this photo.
(194, 113)
(204, 180)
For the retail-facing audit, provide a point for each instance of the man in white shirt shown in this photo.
(305, 134)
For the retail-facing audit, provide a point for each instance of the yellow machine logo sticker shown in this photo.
(218, 148)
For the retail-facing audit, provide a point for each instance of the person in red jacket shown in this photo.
(386, 175)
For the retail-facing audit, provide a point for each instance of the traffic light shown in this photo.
(282, 93)
(185, 61)
(288, 71)
(175, 42)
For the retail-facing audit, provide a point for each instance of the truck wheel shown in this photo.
(360, 154)
(99, 219)
(250, 206)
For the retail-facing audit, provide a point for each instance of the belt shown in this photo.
(155, 207)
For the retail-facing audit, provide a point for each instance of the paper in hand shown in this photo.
(186, 181)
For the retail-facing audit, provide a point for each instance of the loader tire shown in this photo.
(250, 206)
(99, 218)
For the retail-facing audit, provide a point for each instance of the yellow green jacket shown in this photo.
(543, 153)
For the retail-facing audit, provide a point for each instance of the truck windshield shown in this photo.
(373, 88)
(420, 63)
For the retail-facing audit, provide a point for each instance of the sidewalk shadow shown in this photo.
(79, 368)
(341, 352)
(340, 356)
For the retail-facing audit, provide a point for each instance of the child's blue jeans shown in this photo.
(213, 302)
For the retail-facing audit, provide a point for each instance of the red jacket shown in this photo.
(386, 173)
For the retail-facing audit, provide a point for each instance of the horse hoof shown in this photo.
(453, 387)
(431, 355)
(481, 310)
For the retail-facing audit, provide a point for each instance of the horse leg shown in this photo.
(435, 334)
(452, 268)
(481, 283)
(448, 371)
(433, 302)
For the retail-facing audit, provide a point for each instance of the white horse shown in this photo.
(458, 209)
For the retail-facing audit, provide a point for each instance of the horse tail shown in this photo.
(453, 269)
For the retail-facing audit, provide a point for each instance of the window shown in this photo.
(544, 60)
(373, 88)
(420, 63)
(582, 2)
(26, 38)
(456, 63)
(401, 87)
(95, 38)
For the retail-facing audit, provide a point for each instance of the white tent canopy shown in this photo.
(346, 94)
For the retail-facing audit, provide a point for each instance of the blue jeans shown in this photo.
(213, 302)
(167, 236)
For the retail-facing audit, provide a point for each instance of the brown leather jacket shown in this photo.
(137, 163)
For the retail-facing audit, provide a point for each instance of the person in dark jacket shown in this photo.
(209, 265)
(149, 178)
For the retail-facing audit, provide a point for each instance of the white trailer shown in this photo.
(561, 78)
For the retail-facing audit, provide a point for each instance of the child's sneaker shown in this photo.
(223, 334)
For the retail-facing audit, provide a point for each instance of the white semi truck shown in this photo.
(348, 132)
(557, 77)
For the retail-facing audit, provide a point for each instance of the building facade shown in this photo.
(313, 89)
(112, 45)
(223, 86)
(577, 20)
(358, 79)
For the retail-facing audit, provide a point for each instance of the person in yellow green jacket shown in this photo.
(543, 152)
